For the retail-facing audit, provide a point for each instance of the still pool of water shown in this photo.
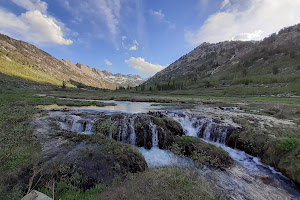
(121, 106)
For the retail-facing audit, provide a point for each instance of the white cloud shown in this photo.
(32, 25)
(135, 42)
(43, 28)
(32, 5)
(100, 11)
(108, 62)
(159, 14)
(133, 48)
(10, 22)
(124, 38)
(256, 35)
(161, 17)
(246, 20)
(143, 67)
(225, 3)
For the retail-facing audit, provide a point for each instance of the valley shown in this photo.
(209, 126)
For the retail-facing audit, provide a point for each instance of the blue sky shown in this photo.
(139, 36)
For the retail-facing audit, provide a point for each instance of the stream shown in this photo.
(248, 178)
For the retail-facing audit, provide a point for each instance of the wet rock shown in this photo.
(143, 131)
(168, 129)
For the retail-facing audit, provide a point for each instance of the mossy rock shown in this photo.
(143, 132)
(284, 155)
(106, 127)
(97, 152)
(167, 129)
(201, 152)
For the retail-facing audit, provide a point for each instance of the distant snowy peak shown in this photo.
(123, 80)
(115, 79)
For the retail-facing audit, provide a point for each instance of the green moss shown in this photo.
(128, 156)
(201, 152)
(106, 127)
(159, 121)
(168, 123)
(288, 145)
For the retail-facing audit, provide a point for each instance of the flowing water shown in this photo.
(247, 179)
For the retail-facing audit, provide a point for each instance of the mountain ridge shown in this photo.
(33, 61)
(236, 59)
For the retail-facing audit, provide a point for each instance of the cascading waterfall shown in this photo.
(76, 124)
(89, 127)
(207, 128)
(132, 132)
(213, 133)
(243, 178)
(195, 126)
(124, 130)
(222, 136)
(154, 135)
(207, 131)
(217, 137)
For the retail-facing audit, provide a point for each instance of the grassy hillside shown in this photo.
(268, 67)
(28, 72)
(24, 60)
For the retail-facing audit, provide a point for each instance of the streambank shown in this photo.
(95, 160)
(248, 175)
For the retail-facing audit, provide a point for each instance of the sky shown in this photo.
(139, 36)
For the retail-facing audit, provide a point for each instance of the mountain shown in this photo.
(276, 55)
(18, 58)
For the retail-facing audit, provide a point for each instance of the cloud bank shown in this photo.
(143, 67)
(34, 25)
(246, 20)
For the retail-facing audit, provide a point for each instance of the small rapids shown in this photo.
(156, 157)
(248, 174)
(248, 179)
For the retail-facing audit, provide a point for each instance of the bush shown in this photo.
(288, 145)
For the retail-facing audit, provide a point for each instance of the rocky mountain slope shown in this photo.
(277, 54)
(24, 60)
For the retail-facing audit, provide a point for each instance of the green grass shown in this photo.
(68, 190)
(289, 144)
(202, 153)
(27, 72)
(20, 152)
(276, 145)
(163, 183)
